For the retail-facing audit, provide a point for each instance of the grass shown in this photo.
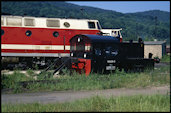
(157, 77)
(165, 58)
(138, 103)
(10, 81)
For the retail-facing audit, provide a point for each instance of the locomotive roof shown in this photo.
(44, 22)
(47, 17)
(99, 38)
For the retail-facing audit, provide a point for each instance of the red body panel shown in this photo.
(40, 36)
(33, 51)
(84, 66)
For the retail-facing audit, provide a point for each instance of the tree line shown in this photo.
(148, 25)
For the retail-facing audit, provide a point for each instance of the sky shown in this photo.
(127, 6)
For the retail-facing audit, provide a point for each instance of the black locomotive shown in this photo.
(104, 54)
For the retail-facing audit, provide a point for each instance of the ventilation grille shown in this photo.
(29, 22)
(14, 21)
(52, 23)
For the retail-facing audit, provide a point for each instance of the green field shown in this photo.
(157, 77)
(138, 103)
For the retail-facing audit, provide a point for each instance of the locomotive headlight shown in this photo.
(85, 55)
(72, 54)
(78, 39)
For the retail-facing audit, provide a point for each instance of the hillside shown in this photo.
(141, 24)
(161, 15)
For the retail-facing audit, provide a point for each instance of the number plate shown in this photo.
(110, 67)
(111, 61)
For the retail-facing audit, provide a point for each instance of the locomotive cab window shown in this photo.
(80, 46)
(91, 25)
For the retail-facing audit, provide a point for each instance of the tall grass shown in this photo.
(121, 79)
(138, 103)
(94, 81)
(165, 58)
(11, 81)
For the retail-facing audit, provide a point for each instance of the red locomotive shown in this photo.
(30, 41)
(38, 40)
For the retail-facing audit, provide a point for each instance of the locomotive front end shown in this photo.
(93, 53)
(80, 52)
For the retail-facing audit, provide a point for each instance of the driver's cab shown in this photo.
(112, 32)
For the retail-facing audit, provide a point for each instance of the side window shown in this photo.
(52, 23)
(80, 45)
(114, 33)
(98, 52)
(111, 51)
(91, 25)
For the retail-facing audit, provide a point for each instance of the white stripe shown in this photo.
(67, 47)
(36, 54)
(34, 47)
(37, 47)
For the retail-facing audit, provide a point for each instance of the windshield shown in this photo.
(98, 25)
